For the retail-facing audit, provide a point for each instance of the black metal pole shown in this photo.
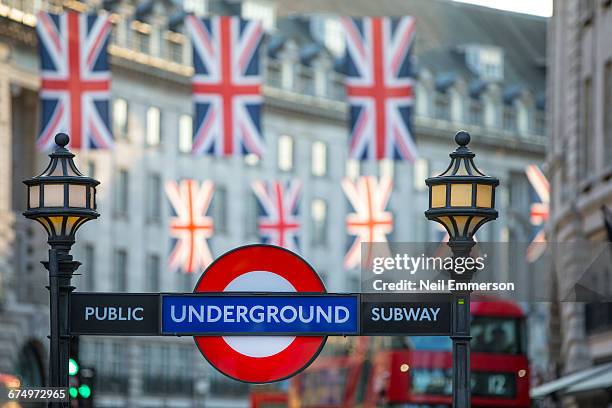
(461, 350)
(60, 267)
(460, 332)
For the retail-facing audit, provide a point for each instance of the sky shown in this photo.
(537, 7)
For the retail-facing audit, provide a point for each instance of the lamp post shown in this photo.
(61, 199)
(462, 199)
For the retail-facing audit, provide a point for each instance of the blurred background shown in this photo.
(534, 91)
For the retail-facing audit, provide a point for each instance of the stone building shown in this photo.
(479, 69)
(579, 162)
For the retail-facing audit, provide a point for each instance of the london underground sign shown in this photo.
(260, 268)
(259, 314)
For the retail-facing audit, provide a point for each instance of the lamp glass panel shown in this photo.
(77, 196)
(484, 195)
(34, 196)
(70, 223)
(473, 224)
(461, 220)
(461, 195)
(438, 196)
(54, 195)
(448, 224)
(92, 198)
(57, 224)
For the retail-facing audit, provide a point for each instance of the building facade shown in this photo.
(579, 163)
(474, 76)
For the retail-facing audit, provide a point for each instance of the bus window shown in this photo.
(429, 343)
(496, 335)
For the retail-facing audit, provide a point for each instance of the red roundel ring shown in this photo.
(260, 359)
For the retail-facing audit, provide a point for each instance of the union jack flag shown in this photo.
(369, 222)
(538, 212)
(190, 227)
(279, 222)
(379, 87)
(226, 86)
(75, 87)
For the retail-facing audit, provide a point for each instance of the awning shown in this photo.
(601, 381)
(593, 378)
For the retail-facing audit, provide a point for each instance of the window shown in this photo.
(318, 213)
(153, 126)
(320, 81)
(122, 191)
(586, 127)
(334, 36)
(259, 10)
(251, 221)
(89, 267)
(287, 74)
(539, 122)
(152, 273)
(352, 168)
(476, 112)
(167, 370)
(420, 172)
(142, 42)
(120, 272)
(486, 61)
(509, 118)
(174, 51)
(608, 110)
(154, 197)
(185, 142)
(285, 153)
(120, 118)
(586, 8)
(185, 283)
(219, 209)
(252, 159)
(442, 106)
(386, 168)
(197, 7)
(109, 358)
(319, 159)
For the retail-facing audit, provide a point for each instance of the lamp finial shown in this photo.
(62, 139)
(462, 138)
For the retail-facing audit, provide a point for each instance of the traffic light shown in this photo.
(81, 379)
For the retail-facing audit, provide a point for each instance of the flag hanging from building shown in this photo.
(538, 211)
(278, 212)
(190, 227)
(379, 87)
(226, 86)
(75, 88)
(369, 221)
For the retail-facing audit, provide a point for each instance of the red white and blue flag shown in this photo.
(190, 227)
(75, 89)
(226, 86)
(369, 222)
(379, 87)
(278, 212)
(539, 211)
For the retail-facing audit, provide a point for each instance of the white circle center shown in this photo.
(259, 346)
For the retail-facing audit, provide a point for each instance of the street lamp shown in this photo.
(61, 199)
(462, 199)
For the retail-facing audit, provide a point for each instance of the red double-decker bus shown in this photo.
(416, 372)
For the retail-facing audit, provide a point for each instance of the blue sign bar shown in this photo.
(229, 314)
